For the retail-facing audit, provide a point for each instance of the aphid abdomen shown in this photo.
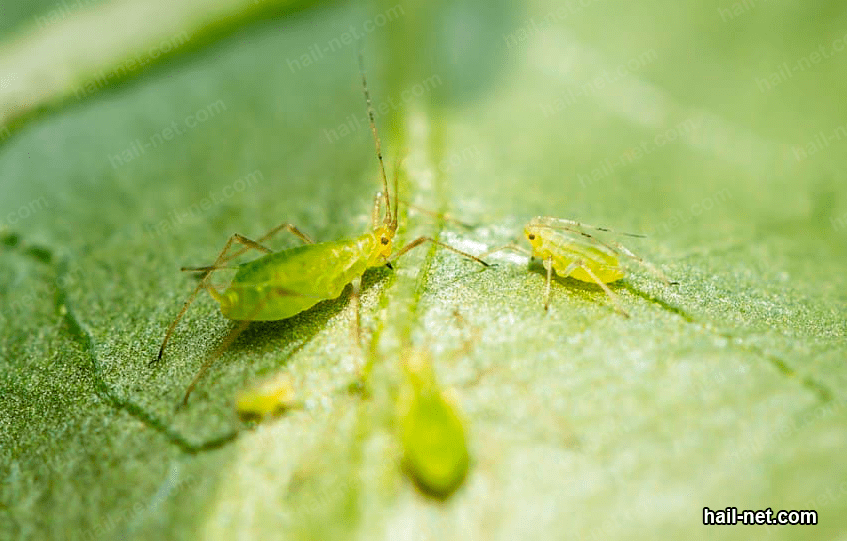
(605, 272)
(431, 430)
(283, 284)
(263, 304)
(566, 250)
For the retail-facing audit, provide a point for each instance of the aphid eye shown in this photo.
(384, 240)
(531, 236)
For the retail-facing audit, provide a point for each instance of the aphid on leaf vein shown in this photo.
(568, 249)
(432, 431)
(282, 284)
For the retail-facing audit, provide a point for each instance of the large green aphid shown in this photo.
(435, 451)
(282, 284)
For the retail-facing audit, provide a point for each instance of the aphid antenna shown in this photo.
(396, 194)
(388, 214)
(438, 215)
(604, 229)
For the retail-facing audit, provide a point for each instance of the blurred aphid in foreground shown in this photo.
(270, 397)
(566, 247)
(432, 432)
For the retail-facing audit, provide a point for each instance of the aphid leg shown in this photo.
(230, 338)
(354, 297)
(511, 246)
(204, 284)
(548, 265)
(290, 228)
(615, 300)
(219, 263)
(208, 268)
(655, 271)
(420, 240)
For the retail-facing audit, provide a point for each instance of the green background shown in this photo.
(724, 390)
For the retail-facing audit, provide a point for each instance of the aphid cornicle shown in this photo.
(282, 284)
(568, 249)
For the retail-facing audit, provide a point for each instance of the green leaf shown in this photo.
(675, 121)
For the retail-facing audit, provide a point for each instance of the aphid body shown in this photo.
(567, 248)
(270, 397)
(572, 254)
(432, 432)
(282, 284)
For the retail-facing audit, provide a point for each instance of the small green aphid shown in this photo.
(435, 451)
(282, 284)
(268, 398)
(568, 249)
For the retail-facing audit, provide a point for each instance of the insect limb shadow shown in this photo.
(420, 240)
(663, 304)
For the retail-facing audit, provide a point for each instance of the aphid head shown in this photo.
(384, 236)
(533, 235)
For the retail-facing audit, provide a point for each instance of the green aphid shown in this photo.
(270, 397)
(432, 432)
(282, 284)
(568, 249)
